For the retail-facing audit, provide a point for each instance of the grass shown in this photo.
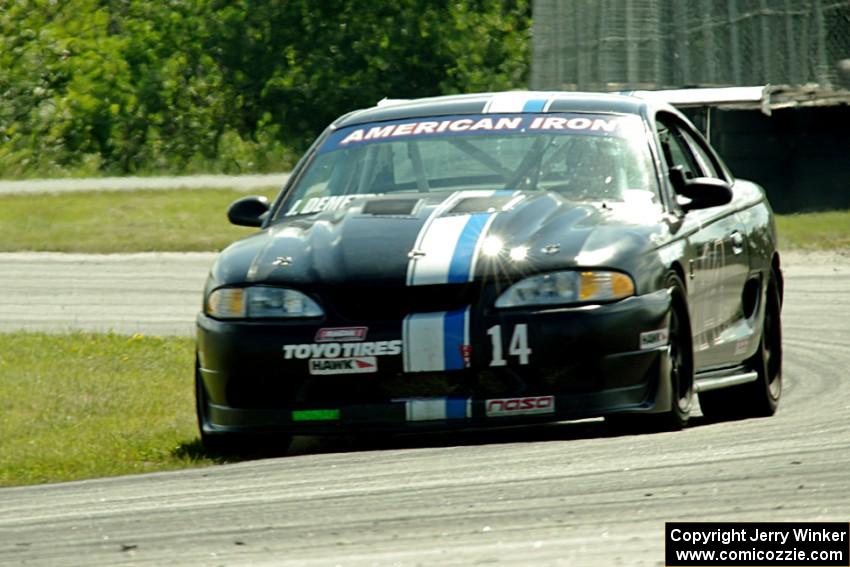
(92, 405)
(120, 221)
(814, 231)
(195, 220)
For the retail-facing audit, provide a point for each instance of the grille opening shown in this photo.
(472, 205)
(391, 207)
(391, 303)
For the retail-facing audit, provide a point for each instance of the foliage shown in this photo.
(129, 86)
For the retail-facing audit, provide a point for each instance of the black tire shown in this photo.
(681, 371)
(761, 397)
(234, 444)
(681, 355)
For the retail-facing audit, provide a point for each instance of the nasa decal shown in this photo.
(529, 405)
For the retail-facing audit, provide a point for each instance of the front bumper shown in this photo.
(567, 363)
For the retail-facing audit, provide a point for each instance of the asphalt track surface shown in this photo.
(569, 494)
(157, 293)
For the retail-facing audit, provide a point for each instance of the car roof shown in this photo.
(502, 102)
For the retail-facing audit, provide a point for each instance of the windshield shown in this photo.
(584, 157)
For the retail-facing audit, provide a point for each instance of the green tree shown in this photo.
(63, 85)
(124, 86)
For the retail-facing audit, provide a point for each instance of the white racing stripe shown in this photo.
(516, 101)
(438, 244)
(430, 409)
(448, 247)
(438, 341)
(422, 337)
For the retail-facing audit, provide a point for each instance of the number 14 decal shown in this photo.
(517, 347)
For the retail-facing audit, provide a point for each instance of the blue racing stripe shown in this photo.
(461, 262)
(456, 408)
(534, 105)
(454, 337)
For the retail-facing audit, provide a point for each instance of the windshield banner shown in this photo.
(476, 124)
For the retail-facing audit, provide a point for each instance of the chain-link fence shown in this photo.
(610, 44)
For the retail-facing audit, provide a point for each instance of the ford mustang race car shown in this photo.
(488, 260)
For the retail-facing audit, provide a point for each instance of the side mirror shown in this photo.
(248, 211)
(701, 192)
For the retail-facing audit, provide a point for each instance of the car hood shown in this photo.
(434, 238)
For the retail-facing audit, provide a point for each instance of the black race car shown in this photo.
(488, 260)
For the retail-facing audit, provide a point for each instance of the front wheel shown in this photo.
(761, 397)
(233, 444)
(680, 360)
(680, 353)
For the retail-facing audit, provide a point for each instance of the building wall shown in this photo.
(801, 156)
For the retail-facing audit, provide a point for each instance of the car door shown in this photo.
(717, 253)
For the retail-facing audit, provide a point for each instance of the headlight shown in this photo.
(260, 303)
(558, 288)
